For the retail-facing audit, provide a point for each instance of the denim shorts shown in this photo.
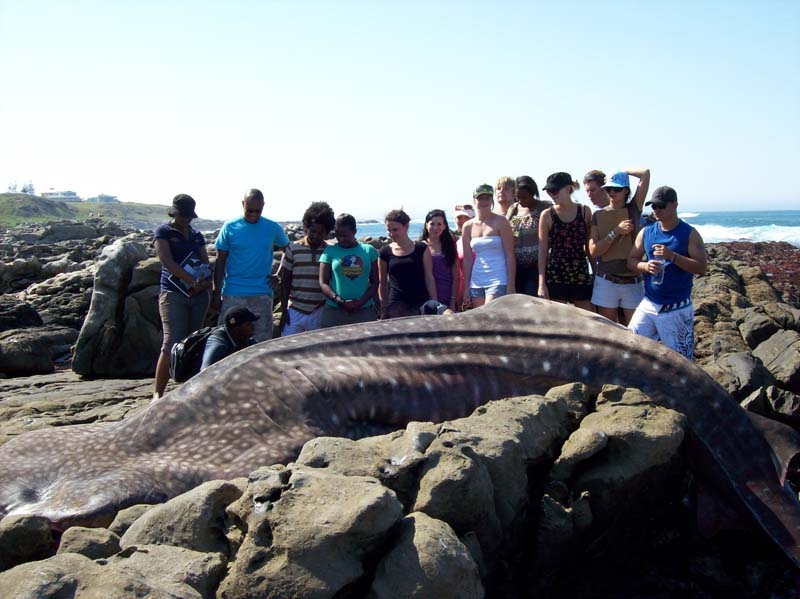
(493, 290)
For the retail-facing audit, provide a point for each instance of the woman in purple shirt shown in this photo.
(446, 273)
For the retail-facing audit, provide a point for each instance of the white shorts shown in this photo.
(674, 328)
(617, 295)
(300, 323)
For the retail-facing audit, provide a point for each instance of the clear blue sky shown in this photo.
(376, 105)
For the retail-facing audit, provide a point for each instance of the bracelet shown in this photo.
(612, 235)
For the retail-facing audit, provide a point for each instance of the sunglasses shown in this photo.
(613, 189)
(464, 207)
(658, 205)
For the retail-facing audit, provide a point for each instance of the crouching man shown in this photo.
(235, 334)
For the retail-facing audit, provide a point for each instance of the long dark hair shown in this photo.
(448, 243)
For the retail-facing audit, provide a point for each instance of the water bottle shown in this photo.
(658, 277)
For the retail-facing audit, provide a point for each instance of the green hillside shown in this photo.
(18, 208)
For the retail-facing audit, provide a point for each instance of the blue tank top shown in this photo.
(677, 285)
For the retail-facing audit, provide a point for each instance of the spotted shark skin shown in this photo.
(262, 404)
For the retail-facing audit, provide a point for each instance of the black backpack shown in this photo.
(186, 355)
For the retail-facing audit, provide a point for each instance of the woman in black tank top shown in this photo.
(405, 270)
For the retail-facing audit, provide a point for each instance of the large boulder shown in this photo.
(739, 373)
(192, 520)
(19, 274)
(781, 356)
(24, 352)
(152, 571)
(23, 539)
(94, 543)
(306, 533)
(63, 231)
(15, 314)
(96, 353)
(426, 560)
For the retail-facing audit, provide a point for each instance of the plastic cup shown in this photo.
(658, 277)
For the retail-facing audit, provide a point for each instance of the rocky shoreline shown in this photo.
(511, 501)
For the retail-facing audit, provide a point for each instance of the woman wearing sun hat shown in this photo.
(613, 230)
(185, 281)
(491, 272)
(564, 245)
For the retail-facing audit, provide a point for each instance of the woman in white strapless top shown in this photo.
(491, 273)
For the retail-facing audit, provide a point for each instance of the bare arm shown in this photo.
(545, 223)
(466, 235)
(455, 272)
(325, 272)
(635, 262)
(599, 246)
(285, 277)
(427, 265)
(694, 263)
(587, 219)
(219, 277)
(643, 174)
(383, 288)
(507, 237)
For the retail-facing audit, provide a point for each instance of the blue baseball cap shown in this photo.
(618, 179)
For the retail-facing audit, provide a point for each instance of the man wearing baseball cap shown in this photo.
(464, 212)
(235, 334)
(675, 253)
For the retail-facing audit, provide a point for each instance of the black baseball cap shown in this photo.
(557, 181)
(239, 314)
(662, 195)
(183, 204)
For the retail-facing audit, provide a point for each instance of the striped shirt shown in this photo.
(303, 262)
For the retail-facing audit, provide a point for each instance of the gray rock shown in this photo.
(781, 356)
(15, 314)
(427, 560)
(67, 230)
(124, 518)
(145, 274)
(94, 543)
(306, 532)
(757, 327)
(773, 402)
(95, 353)
(739, 373)
(192, 520)
(24, 538)
(155, 572)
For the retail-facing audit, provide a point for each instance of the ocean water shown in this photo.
(766, 225)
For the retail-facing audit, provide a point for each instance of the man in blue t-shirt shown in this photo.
(666, 312)
(244, 263)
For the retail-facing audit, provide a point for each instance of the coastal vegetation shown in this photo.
(20, 208)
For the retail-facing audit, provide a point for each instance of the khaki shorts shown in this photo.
(181, 315)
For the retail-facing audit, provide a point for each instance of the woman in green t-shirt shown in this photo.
(348, 277)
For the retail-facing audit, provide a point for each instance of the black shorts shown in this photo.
(570, 292)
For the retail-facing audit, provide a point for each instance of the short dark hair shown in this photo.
(254, 194)
(398, 216)
(346, 220)
(596, 176)
(320, 213)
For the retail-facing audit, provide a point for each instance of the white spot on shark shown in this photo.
(546, 366)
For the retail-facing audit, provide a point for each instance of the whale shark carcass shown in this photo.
(260, 405)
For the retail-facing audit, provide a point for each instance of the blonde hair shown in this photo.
(503, 181)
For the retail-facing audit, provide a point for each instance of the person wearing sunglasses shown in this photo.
(490, 268)
(671, 245)
(245, 247)
(613, 230)
(564, 245)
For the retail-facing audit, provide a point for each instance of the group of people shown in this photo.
(510, 241)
